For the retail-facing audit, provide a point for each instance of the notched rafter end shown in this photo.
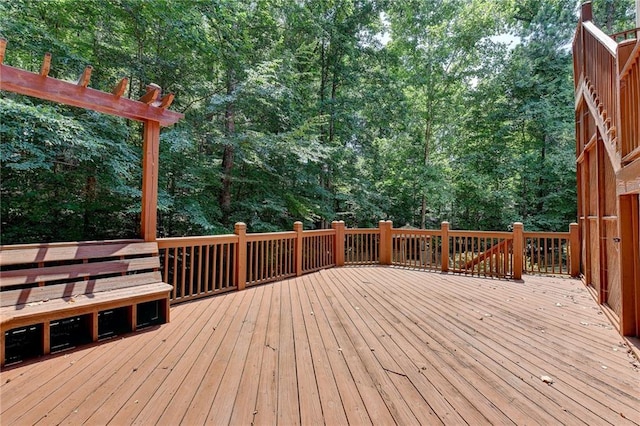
(153, 92)
(85, 77)
(46, 65)
(165, 101)
(3, 48)
(119, 90)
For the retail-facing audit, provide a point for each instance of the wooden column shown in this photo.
(241, 255)
(386, 237)
(629, 231)
(574, 249)
(150, 157)
(297, 227)
(444, 228)
(338, 242)
(518, 246)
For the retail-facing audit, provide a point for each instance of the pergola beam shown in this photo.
(64, 92)
(151, 109)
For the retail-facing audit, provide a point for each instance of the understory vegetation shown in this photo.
(415, 111)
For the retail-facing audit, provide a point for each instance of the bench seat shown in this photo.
(88, 303)
(46, 284)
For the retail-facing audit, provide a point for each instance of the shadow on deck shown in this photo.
(350, 345)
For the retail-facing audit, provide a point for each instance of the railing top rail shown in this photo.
(599, 35)
(316, 232)
(626, 35)
(400, 231)
(483, 234)
(362, 231)
(195, 241)
(535, 234)
(265, 236)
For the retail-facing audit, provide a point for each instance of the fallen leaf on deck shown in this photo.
(546, 379)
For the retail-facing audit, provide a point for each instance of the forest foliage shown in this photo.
(415, 111)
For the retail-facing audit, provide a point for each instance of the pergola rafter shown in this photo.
(151, 109)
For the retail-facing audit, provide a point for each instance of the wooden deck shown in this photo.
(349, 346)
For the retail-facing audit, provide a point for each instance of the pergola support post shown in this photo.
(150, 170)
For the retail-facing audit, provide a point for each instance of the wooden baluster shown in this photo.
(206, 269)
(231, 280)
(183, 265)
(192, 259)
(174, 281)
(240, 229)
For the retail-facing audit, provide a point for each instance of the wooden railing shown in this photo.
(270, 257)
(547, 253)
(199, 266)
(318, 250)
(417, 248)
(629, 104)
(203, 266)
(607, 72)
(486, 253)
(362, 246)
(626, 35)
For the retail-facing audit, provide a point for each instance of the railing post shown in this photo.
(586, 12)
(386, 248)
(338, 249)
(297, 227)
(444, 228)
(241, 255)
(518, 250)
(574, 249)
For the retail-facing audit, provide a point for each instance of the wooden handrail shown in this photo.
(601, 37)
(206, 265)
(631, 62)
(196, 241)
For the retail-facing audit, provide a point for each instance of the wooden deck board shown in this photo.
(366, 345)
(484, 363)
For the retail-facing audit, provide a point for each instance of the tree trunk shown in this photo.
(423, 204)
(89, 199)
(611, 16)
(228, 152)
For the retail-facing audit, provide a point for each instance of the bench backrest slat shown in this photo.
(38, 294)
(76, 271)
(56, 253)
(47, 271)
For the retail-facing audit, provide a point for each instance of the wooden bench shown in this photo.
(60, 294)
